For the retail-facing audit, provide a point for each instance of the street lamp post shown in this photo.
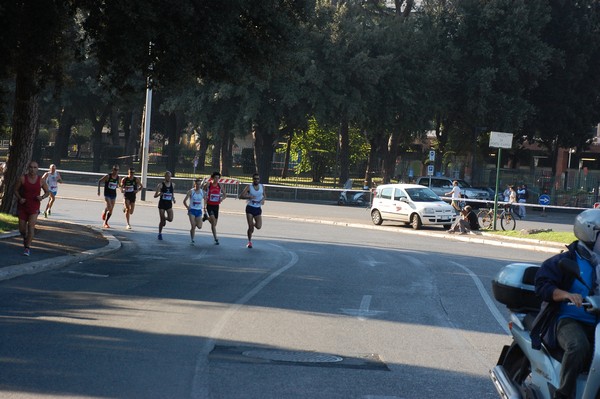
(147, 118)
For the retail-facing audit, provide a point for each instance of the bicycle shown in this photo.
(505, 215)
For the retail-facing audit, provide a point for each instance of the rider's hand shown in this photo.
(564, 296)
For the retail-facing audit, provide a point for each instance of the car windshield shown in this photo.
(422, 195)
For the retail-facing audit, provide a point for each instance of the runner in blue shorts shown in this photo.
(196, 196)
(255, 195)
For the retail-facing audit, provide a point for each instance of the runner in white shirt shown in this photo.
(52, 178)
(255, 195)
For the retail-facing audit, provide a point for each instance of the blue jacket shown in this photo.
(547, 279)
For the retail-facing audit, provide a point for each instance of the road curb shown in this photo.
(58, 262)
(480, 238)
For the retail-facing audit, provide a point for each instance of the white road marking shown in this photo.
(88, 274)
(486, 298)
(371, 261)
(363, 312)
(200, 382)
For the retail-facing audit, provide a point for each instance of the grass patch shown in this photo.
(553, 236)
(8, 223)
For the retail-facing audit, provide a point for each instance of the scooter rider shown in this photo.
(561, 323)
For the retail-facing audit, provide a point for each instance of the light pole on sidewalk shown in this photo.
(147, 119)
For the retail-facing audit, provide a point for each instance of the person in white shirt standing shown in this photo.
(52, 178)
(255, 195)
(456, 196)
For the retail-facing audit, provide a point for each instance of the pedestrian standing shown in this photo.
(255, 195)
(196, 196)
(130, 186)
(214, 196)
(166, 191)
(522, 196)
(27, 191)
(512, 199)
(111, 183)
(52, 178)
(456, 195)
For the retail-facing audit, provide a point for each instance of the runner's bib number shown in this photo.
(129, 189)
(215, 197)
(112, 186)
(53, 188)
(167, 196)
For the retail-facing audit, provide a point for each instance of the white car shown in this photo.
(412, 204)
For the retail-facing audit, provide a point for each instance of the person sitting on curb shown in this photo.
(467, 222)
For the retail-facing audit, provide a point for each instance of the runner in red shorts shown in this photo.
(27, 191)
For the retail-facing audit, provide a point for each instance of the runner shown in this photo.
(111, 183)
(255, 194)
(196, 196)
(166, 192)
(27, 191)
(52, 178)
(130, 186)
(214, 196)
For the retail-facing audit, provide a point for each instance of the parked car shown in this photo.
(442, 185)
(412, 204)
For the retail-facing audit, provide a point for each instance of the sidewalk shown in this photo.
(56, 244)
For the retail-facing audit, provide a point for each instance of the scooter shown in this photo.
(524, 372)
(360, 198)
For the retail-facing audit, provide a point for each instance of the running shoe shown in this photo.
(249, 245)
(104, 215)
(124, 209)
(49, 212)
(106, 226)
(159, 236)
(128, 227)
(45, 214)
(27, 252)
(216, 242)
(192, 242)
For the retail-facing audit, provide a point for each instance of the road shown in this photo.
(320, 310)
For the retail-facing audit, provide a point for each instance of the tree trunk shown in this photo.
(63, 134)
(286, 159)
(98, 123)
(215, 155)
(373, 158)
(114, 126)
(173, 123)
(389, 162)
(263, 151)
(202, 149)
(24, 128)
(227, 155)
(344, 152)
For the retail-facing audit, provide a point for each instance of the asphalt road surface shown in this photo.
(314, 310)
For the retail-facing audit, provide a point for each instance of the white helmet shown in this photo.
(587, 226)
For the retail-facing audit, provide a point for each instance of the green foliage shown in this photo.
(8, 223)
(315, 149)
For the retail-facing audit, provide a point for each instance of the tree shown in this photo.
(566, 101)
(34, 36)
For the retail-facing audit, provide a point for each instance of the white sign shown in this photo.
(432, 155)
(501, 140)
(429, 170)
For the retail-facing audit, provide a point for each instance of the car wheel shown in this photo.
(376, 217)
(415, 221)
